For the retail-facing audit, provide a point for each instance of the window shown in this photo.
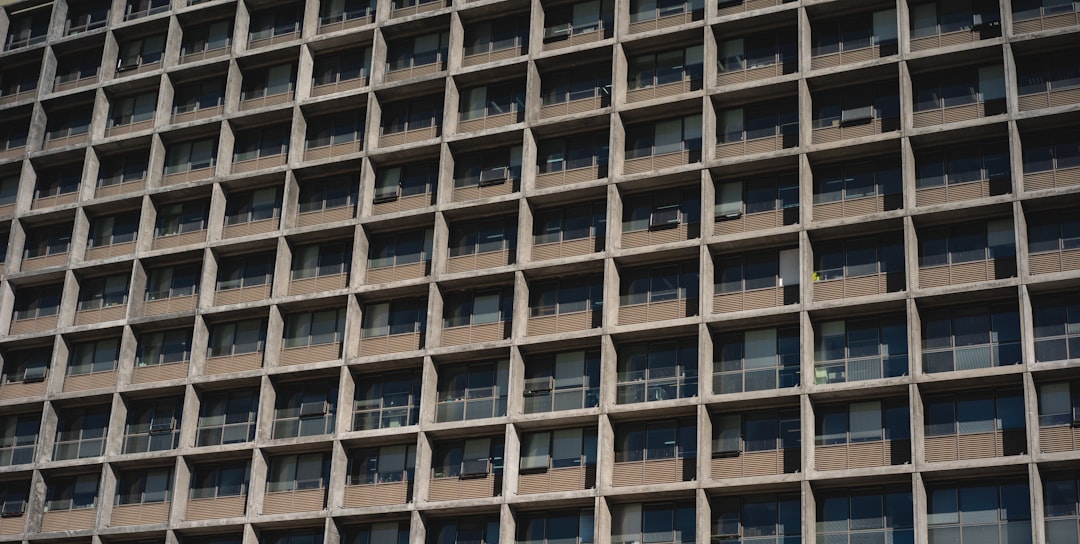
(976, 412)
(962, 165)
(68, 123)
(78, 66)
(123, 168)
(87, 16)
(164, 348)
(32, 303)
(651, 440)
(958, 87)
(987, 511)
(967, 243)
(388, 464)
(657, 371)
(648, 10)
(574, 152)
(173, 219)
(1057, 327)
(661, 210)
(472, 457)
(772, 518)
(472, 391)
(314, 328)
(337, 128)
(18, 439)
(565, 448)
(662, 137)
(659, 284)
(140, 52)
(415, 51)
(971, 337)
(14, 497)
(245, 271)
(227, 418)
(566, 223)
(554, 527)
(467, 308)
(386, 401)
(94, 356)
(859, 257)
(342, 66)
(400, 249)
(759, 195)
(752, 271)
(1059, 404)
(1043, 153)
(97, 293)
(860, 349)
(396, 182)
(758, 50)
(142, 8)
(173, 281)
(500, 34)
(491, 100)
(144, 486)
(866, 515)
(261, 143)
(930, 19)
(71, 493)
(58, 181)
(327, 194)
(332, 11)
(858, 105)
(580, 18)
(1034, 9)
(579, 83)
(228, 479)
(858, 180)
(306, 409)
(200, 95)
(113, 229)
(237, 338)
(30, 366)
(487, 236)
(674, 66)
(856, 32)
(566, 296)
(418, 114)
(865, 421)
(132, 109)
(298, 472)
(465, 530)
(46, 240)
(756, 360)
(277, 21)
(80, 433)
(490, 167)
(153, 426)
(735, 434)
(270, 81)
(19, 79)
(330, 259)
(654, 522)
(207, 37)
(28, 28)
(568, 380)
(187, 156)
(407, 316)
(752, 122)
(13, 135)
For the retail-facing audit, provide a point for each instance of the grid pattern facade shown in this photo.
(510, 271)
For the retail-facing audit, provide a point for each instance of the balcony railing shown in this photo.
(160, 372)
(660, 161)
(1054, 261)
(755, 463)
(491, 121)
(86, 382)
(240, 362)
(564, 322)
(345, 21)
(437, 64)
(250, 228)
(653, 471)
(188, 116)
(567, 248)
(460, 487)
(758, 379)
(749, 222)
(850, 56)
(398, 272)
(279, 34)
(783, 137)
(170, 241)
(268, 100)
(339, 86)
(216, 508)
(729, 7)
(325, 215)
(333, 150)
(955, 447)
(139, 514)
(755, 299)
(957, 37)
(297, 500)
(779, 66)
(634, 314)
(969, 272)
(120, 188)
(314, 353)
(865, 368)
(837, 131)
(101, 314)
(120, 249)
(68, 520)
(378, 493)
(601, 98)
(955, 114)
(391, 343)
(254, 293)
(1042, 18)
(479, 261)
(878, 453)
(409, 136)
(1053, 98)
(554, 480)
(689, 83)
(859, 286)
(550, 180)
(417, 8)
(493, 52)
(666, 18)
(471, 334)
(968, 190)
(648, 237)
(565, 35)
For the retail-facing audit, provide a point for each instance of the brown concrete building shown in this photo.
(479, 271)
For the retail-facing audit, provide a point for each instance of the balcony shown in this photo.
(49, 201)
(565, 35)
(437, 64)
(653, 471)
(689, 83)
(408, 136)
(859, 286)
(178, 240)
(44, 261)
(971, 33)
(170, 304)
(13, 524)
(397, 272)
(641, 238)
(67, 83)
(216, 508)
(417, 7)
(733, 7)
(298, 500)
(666, 17)
(241, 362)
(279, 34)
(391, 343)
(879, 453)
(479, 261)
(21, 390)
(120, 188)
(639, 165)
(550, 180)
(755, 463)
(205, 54)
(268, 100)
(314, 353)
(402, 203)
(250, 228)
(601, 98)
(555, 480)
(956, 447)
(755, 299)
(967, 272)
(490, 120)
(465, 487)
(160, 372)
(91, 381)
(564, 322)
(196, 114)
(860, 369)
(254, 293)
(188, 176)
(378, 494)
(124, 130)
(121, 249)
(494, 51)
(1060, 15)
(17, 96)
(633, 314)
(779, 133)
(124, 515)
(472, 334)
(65, 141)
(330, 282)
(38, 323)
(68, 520)
(333, 150)
(345, 21)
(101, 314)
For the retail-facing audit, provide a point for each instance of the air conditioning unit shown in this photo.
(34, 374)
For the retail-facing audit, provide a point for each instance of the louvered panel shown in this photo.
(828, 211)
(957, 114)
(13, 525)
(763, 145)
(317, 153)
(471, 125)
(1056, 439)
(189, 176)
(826, 135)
(1027, 102)
(1067, 176)
(37, 324)
(727, 302)
(761, 298)
(730, 10)
(830, 457)
(505, 54)
(829, 290)
(662, 311)
(860, 131)
(139, 514)
(13, 390)
(287, 502)
(730, 150)
(218, 508)
(922, 44)
(310, 354)
(585, 37)
(566, 479)
(761, 463)
(575, 321)
(825, 61)
(968, 191)
(637, 166)
(118, 189)
(861, 206)
(638, 238)
(763, 220)
(421, 134)
(927, 118)
(530, 484)
(102, 315)
(87, 382)
(866, 454)
(581, 246)
(374, 346)
(728, 227)
(362, 496)
(957, 38)
(543, 252)
(667, 236)
(159, 373)
(632, 315)
(40, 263)
(234, 363)
(661, 471)
(68, 520)
(979, 445)
(1070, 259)
(725, 467)
(461, 263)
(1038, 181)
(488, 332)
(1031, 25)
(939, 449)
(626, 474)
(169, 242)
(542, 325)
(404, 342)
(66, 142)
(169, 305)
(7, 210)
(393, 139)
(254, 293)
(402, 204)
(346, 148)
(969, 272)
(492, 259)
(1044, 263)
(669, 160)
(476, 488)
(861, 286)
(251, 228)
(443, 489)
(937, 276)
(456, 336)
(732, 78)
